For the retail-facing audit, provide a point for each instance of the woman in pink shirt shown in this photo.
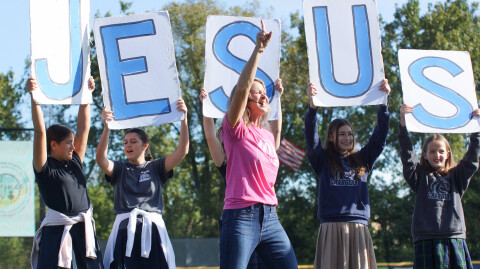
(249, 218)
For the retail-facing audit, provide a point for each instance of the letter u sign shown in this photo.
(343, 41)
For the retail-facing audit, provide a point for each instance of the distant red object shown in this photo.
(290, 155)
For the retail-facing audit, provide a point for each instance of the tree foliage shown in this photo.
(10, 115)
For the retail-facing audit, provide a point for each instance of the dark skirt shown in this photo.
(442, 253)
(50, 247)
(156, 259)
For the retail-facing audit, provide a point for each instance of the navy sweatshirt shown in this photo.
(344, 199)
(438, 209)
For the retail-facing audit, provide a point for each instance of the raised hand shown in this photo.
(279, 87)
(311, 91)
(403, 110)
(263, 38)
(181, 107)
(91, 84)
(476, 113)
(107, 116)
(203, 95)
(31, 85)
(385, 87)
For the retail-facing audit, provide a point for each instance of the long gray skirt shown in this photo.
(344, 245)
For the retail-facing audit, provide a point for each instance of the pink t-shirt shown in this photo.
(252, 165)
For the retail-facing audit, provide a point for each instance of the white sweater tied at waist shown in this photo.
(54, 218)
(146, 244)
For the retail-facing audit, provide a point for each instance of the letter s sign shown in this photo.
(439, 86)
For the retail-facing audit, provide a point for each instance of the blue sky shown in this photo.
(15, 30)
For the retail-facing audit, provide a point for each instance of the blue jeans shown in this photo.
(256, 226)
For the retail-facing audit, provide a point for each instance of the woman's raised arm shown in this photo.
(245, 81)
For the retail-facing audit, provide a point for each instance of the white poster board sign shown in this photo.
(229, 43)
(17, 189)
(440, 87)
(60, 32)
(344, 52)
(137, 65)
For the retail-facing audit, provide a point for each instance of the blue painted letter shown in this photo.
(74, 85)
(118, 68)
(462, 117)
(325, 58)
(230, 61)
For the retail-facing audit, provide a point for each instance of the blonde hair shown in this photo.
(246, 113)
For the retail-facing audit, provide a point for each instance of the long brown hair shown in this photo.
(353, 158)
(449, 162)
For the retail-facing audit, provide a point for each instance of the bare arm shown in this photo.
(174, 159)
(40, 134)
(83, 125)
(214, 145)
(277, 124)
(101, 155)
(245, 81)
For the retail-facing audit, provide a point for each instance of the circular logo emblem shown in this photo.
(14, 188)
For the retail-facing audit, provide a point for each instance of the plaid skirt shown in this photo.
(442, 253)
(344, 245)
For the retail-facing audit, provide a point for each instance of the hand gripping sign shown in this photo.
(440, 87)
(137, 66)
(344, 51)
(60, 51)
(229, 44)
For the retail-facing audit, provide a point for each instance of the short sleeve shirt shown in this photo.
(63, 185)
(252, 165)
(138, 186)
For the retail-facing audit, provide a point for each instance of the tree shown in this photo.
(10, 116)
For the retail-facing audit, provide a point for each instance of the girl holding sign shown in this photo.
(343, 204)
(139, 238)
(249, 217)
(438, 224)
(66, 237)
